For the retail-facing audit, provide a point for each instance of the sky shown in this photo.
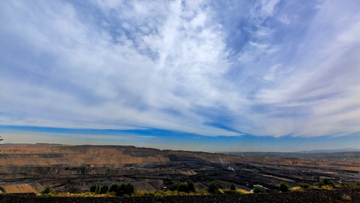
(267, 75)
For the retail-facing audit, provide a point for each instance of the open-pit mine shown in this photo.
(26, 168)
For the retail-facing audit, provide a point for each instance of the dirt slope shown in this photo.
(18, 188)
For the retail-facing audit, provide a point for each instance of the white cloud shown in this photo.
(158, 65)
(284, 19)
(268, 7)
(320, 96)
(113, 79)
(272, 73)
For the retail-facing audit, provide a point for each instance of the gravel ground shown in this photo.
(339, 196)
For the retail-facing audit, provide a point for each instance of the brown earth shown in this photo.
(18, 188)
(66, 168)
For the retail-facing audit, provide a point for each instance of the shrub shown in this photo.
(357, 184)
(284, 187)
(98, 189)
(329, 182)
(76, 191)
(121, 190)
(305, 186)
(174, 186)
(149, 193)
(114, 187)
(258, 189)
(229, 191)
(183, 187)
(187, 186)
(345, 185)
(191, 186)
(232, 186)
(273, 191)
(46, 191)
(213, 188)
(125, 189)
(326, 187)
(129, 189)
(104, 189)
(158, 197)
(93, 188)
(320, 184)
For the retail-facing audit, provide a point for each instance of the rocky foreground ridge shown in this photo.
(337, 196)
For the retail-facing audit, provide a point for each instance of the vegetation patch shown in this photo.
(284, 187)
(213, 188)
(187, 186)
(118, 189)
(305, 186)
(258, 189)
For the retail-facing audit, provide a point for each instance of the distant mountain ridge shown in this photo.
(319, 155)
(331, 150)
(305, 151)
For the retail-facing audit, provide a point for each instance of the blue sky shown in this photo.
(269, 75)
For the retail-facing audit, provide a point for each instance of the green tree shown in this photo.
(104, 189)
(191, 186)
(46, 191)
(98, 188)
(183, 187)
(213, 188)
(258, 189)
(93, 188)
(129, 189)
(284, 187)
(233, 186)
(125, 189)
(121, 189)
(114, 187)
(174, 186)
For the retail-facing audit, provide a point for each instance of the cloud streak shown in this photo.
(275, 68)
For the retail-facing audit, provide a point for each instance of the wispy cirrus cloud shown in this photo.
(210, 68)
